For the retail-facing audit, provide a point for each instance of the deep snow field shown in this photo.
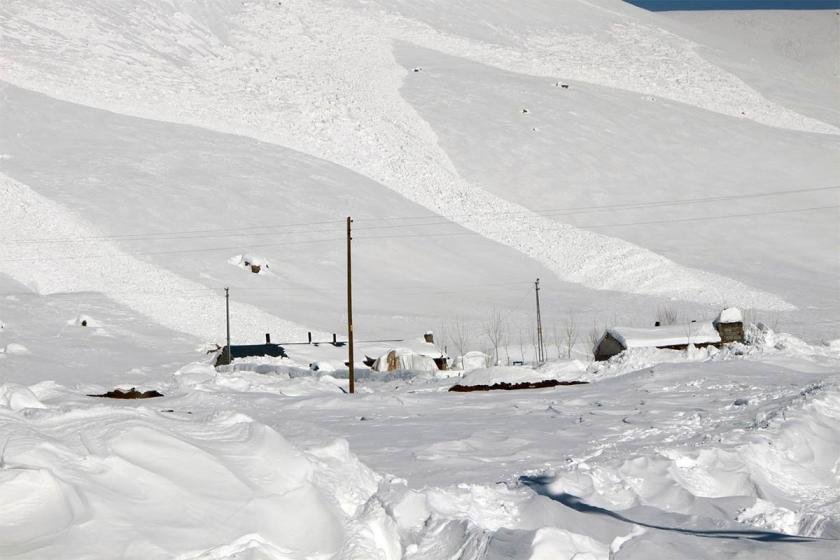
(638, 163)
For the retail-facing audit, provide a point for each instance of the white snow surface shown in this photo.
(741, 444)
(691, 163)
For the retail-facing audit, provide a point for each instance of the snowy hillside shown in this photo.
(640, 164)
(650, 131)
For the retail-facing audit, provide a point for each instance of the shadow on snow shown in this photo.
(540, 485)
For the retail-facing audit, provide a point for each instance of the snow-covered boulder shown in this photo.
(472, 360)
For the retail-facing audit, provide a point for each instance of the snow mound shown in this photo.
(18, 397)
(15, 349)
(471, 360)
(202, 487)
(560, 371)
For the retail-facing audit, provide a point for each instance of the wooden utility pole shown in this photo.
(540, 346)
(352, 374)
(227, 322)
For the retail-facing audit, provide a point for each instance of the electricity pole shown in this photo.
(540, 347)
(352, 374)
(227, 321)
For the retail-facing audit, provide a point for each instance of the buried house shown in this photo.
(223, 357)
(727, 328)
(416, 355)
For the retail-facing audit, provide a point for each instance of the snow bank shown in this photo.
(551, 543)
(561, 371)
(186, 486)
(18, 397)
(784, 474)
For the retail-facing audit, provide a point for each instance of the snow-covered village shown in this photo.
(419, 279)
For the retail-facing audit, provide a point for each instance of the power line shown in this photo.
(421, 221)
(599, 226)
(210, 291)
(171, 252)
(426, 235)
(610, 207)
(183, 234)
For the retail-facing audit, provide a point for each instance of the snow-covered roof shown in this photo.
(730, 315)
(671, 335)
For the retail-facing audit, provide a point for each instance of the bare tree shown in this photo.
(504, 342)
(460, 337)
(594, 335)
(666, 315)
(557, 338)
(521, 345)
(570, 336)
(494, 330)
(443, 335)
(535, 342)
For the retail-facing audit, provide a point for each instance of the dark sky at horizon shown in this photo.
(664, 5)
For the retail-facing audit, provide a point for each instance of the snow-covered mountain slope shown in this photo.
(790, 56)
(150, 148)
(333, 80)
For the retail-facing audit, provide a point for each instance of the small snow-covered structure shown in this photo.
(416, 355)
(675, 337)
(248, 351)
(730, 325)
(404, 359)
(472, 360)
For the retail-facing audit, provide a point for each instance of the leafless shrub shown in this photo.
(666, 315)
(594, 335)
(459, 335)
(494, 331)
(570, 336)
